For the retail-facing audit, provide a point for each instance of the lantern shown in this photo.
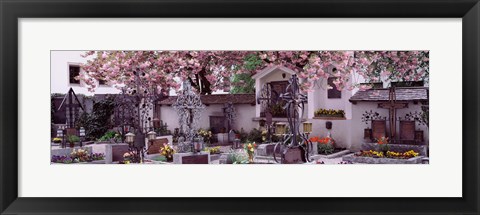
(280, 128)
(129, 138)
(82, 132)
(151, 135)
(307, 127)
(59, 133)
(197, 145)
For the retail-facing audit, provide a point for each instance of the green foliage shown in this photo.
(243, 136)
(73, 139)
(325, 148)
(277, 110)
(236, 158)
(255, 135)
(242, 83)
(109, 135)
(160, 158)
(98, 122)
(252, 62)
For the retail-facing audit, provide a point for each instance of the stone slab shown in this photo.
(267, 149)
(67, 151)
(222, 138)
(155, 145)
(331, 156)
(114, 152)
(190, 158)
(369, 160)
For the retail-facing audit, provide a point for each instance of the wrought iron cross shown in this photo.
(188, 107)
(392, 105)
(230, 115)
(295, 105)
(71, 107)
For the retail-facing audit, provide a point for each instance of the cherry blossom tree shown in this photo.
(212, 70)
(162, 70)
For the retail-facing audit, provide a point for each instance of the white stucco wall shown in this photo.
(340, 131)
(357, 126)
(244, 112)
(60, 61)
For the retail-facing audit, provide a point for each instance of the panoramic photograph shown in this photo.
(239, 107)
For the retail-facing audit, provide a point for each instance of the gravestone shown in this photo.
(267, 149)
(191, 158)
(217, 124)
(231, 136)
(379, 129)
(115, 152)
(71, 131)
(407, 132)
(155, 145)
(293, 156)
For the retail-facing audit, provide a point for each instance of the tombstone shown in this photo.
(155, 145)
(293, 156)
(217, 124)
(115, 152)
(379, 129)
(191, 158)
(407, 132)
(231, 136)
(71, 131)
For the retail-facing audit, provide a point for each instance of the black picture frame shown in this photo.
(11, 11)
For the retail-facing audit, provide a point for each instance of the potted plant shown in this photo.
(383, 144)
(329, 113)
(250, 149)
(72, 139)
(168, 152)
(325, 145)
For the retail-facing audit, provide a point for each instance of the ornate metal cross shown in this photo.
(392, 105)
(188, 107)
(71, 107)
(295, 105)
(267, 97)
(294, 151)
(230, 115)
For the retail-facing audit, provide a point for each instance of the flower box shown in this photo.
(371, 160)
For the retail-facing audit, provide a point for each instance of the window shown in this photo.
(102, 82)
(74, 71)
(333, 93)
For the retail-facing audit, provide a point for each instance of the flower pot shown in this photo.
(169, 158)
(72, 145)
(250, 157)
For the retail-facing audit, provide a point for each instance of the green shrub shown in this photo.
(73, 139)
(108, 136)
(325, 148)
(255, 135)
(98, 121)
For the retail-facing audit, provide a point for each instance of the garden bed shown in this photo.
(372, 160)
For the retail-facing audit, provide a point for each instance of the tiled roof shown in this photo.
(217, 99)
(402, 94)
